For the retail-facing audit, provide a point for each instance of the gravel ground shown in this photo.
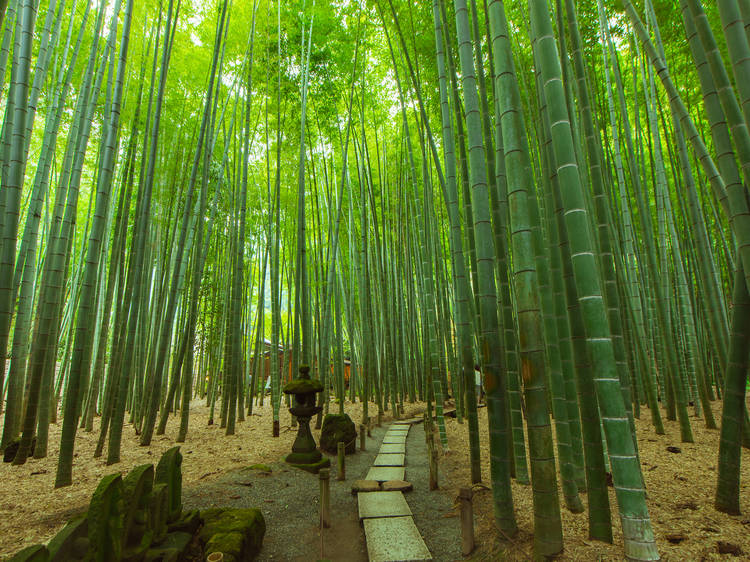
(433, 511)
(289, 501)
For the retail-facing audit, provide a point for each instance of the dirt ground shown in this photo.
(680, 486)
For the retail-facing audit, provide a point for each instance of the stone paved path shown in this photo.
(390, 531)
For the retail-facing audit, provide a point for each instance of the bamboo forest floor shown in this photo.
(680, 489)
(680, 486)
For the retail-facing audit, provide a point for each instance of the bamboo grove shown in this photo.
(555, 190)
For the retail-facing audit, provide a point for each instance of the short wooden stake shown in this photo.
(341, 473)
(433, 469)
(325, 497)
(362, 436)
(380, 418)
(467, 521)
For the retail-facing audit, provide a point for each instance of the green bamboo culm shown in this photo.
(494, 378)
(84, 341)
(521, 197)
(639, 538)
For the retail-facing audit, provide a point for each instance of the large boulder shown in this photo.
(336, 428)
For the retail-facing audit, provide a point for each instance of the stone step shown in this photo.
(383, 473)
(394, 538)
(394, 439)
(398, 429)
(382, 504)
(393, 448)
(395, 435)
(410, 421)
(389, 459)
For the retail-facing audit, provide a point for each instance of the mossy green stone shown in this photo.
(169, 472)
(338, 428)
(106, 519)
(137, 486)
(313, 468)
(36, 553)
(72, 542)
(170, 549)
(249, 524)
(303, 386)
(188, 523)
(162, 555)
(261, 467)
(230, 544)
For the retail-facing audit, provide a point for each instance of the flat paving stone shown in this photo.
(383, 473)
(395, 434)
(397, 486)
(410, 421)
(389, 459)
(394, 538)
(394, 440)
(393, 448)
(398, 428)
(382, 504)
(365, 486)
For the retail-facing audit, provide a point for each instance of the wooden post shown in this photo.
(215, 557)
(325, 497)
(362, 436)
(341, 472)
(467, 521)
(432, 454)
(380, 418)
(434, 470)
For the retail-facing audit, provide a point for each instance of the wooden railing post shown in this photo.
(467, 521)
(432, 458)
(341, 472)
(362, 436)
(325, 497)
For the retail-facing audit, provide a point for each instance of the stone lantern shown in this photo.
(305, 454)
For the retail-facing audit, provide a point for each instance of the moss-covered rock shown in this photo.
(71, 543)
(106, 519)
(336, 428)
(260, 467)
(303, 386)
(247, 524)
(313, 467)
(170, 549)
(36, 553)
(137, 534)
(187, 523)
(231, 545)
(169, 472)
